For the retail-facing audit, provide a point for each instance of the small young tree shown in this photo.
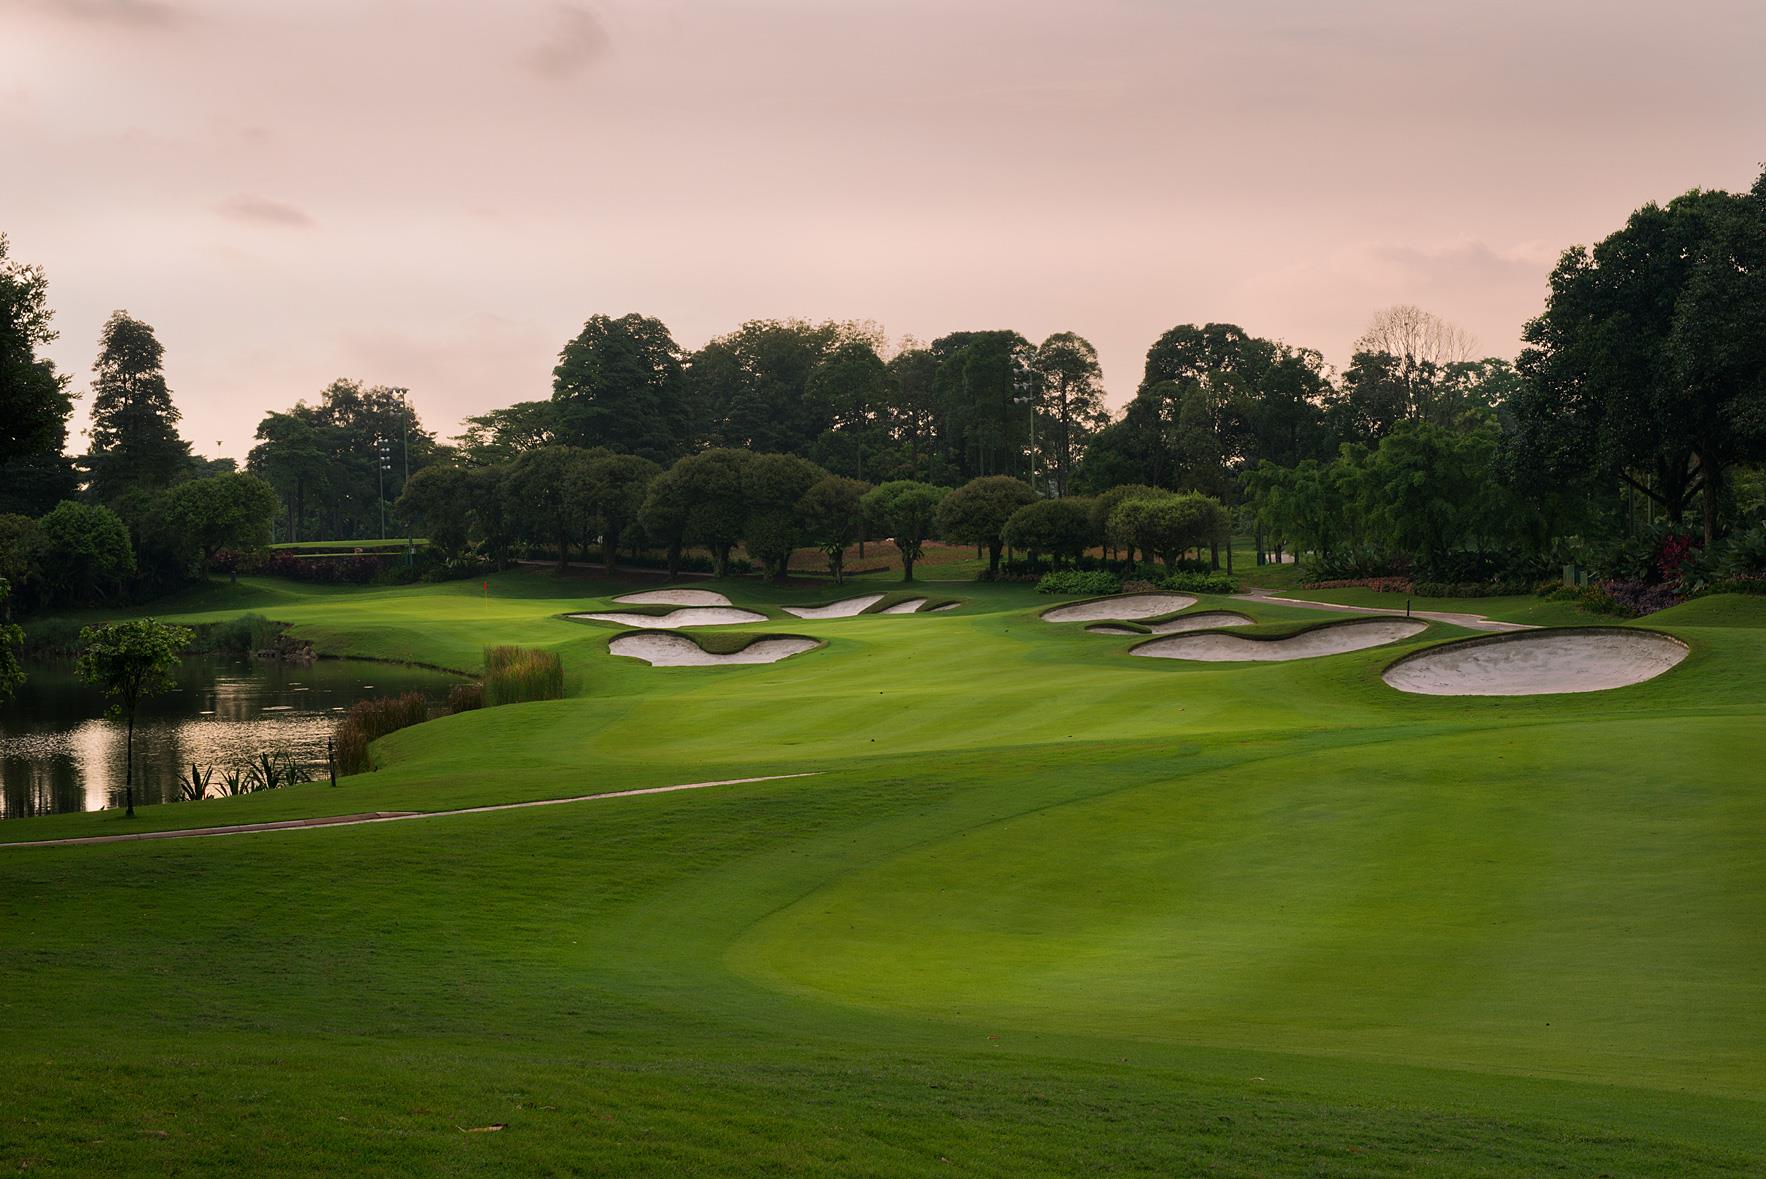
(905, 511)
(130, 661)
(1104, 503)
(1168, 525)
(833, 517)
(976, 512)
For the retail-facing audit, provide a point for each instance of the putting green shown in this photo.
(1042, 908)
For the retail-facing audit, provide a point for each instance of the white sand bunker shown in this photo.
(843, 609)
(1128, 606)
(679, 651)
(1324, 640)
(907, 607)
(679, 619)
(1206, 620)
(1112, 630)
(943, 608)
(1537, 663)
(674, 597)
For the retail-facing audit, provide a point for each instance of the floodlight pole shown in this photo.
(410, 536)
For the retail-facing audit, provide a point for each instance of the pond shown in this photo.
(59, 751)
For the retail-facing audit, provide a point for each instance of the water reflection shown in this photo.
(59, 752)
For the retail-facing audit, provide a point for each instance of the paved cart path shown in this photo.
(387, 816)
(1470, 621)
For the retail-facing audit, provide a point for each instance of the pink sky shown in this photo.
(437, 194)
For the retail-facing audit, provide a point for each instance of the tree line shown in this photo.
(1635, 409)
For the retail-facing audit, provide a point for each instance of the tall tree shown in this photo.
(850, 390)
(232, 511)
(619, 384)
(135, 441)
(1646, 362)
(772, 485)
(616, 485)
(1071, 386)
(503, 435)
(34, 404)
(339, 464)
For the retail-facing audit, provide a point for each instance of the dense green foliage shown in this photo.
(129, 662)
(34, 404)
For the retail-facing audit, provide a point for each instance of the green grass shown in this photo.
(1044, 908)
(1528, 608)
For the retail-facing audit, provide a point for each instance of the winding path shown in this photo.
(387, 816)
(1469, 621)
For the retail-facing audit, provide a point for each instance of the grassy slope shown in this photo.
(1045, 908)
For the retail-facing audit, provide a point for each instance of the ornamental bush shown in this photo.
(1093, 583)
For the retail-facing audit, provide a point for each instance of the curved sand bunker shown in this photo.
(1206, 620)
(674, 597)
(679, 651)
(1126, 607)
(907, 607)
(1538, 663)
(943, 608)
(842, 609)
(678, 619)
(1112, 630)
(1325, 640)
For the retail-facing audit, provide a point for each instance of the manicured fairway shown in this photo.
(1044, 908)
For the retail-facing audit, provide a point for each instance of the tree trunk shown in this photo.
(993, 557)
(563, 547)
(720, 559)
(674, 559)
(610, 549)
(907, 567)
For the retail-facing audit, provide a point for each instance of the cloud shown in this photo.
(257, 210)
(578, 40)
(145, 15)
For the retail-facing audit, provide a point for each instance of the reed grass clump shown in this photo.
(466, 697)
(368, 721)
(516, 675)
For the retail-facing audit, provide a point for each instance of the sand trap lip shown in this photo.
(1128, 607)
(1538, 663)
(1113, 630)
(907, 607)
(1206, 620)
(943, 608)
(846, 608)
(1337, 639)
(674, 597)
(677, 619)
(680, 651)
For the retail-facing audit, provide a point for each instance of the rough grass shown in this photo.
(1045, 909)
(521, 675)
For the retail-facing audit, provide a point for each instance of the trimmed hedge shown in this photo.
(1092, 583)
